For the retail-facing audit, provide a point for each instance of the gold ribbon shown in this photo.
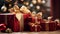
(47, 26)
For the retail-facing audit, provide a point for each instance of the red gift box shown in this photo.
(35, 28)
(10, 20)
(51, 26)
(57, 26)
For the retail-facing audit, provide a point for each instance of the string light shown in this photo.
(34, 1)
(39, 1)
(43, 1)
(22, 0)
(8, 0)
(31, 5)
(27, 3)
(37, 7)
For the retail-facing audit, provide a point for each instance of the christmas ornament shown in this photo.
(4, 8)
(8, 0)
(2, 27)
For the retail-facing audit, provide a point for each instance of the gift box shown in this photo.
(27, 19)
(35, 28)
(51, 26)
(57, 26)
(10, 20)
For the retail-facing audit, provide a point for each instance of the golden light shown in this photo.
(57, 20)
(27, 3)
(9, 5)
(34, 1)
(39, 1)
(43, 1)
(41, 13)
(37, 7)
(22, 0)
(8, 0)
(33, 13)
(49, 18)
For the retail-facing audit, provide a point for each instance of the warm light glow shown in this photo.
(39, 1)
(9, 5)
(27, 3)
(8, 0)
(22, 0)
(43, 1)
(31, 5)
(34, 1)
(40, 14)
(37, 7)
(49, 18)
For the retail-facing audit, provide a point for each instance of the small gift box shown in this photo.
(35, 28)
(51, 26)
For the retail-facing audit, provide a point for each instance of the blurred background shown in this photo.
(32, 5)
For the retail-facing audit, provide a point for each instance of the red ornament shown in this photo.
(2, 27)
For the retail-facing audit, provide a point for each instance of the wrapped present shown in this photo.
(20, 20)
(10, 20)
(57, 26)
(42, 24)
(35, 28)
(27, 19)
(51, 26)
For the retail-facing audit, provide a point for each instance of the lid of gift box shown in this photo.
(6, 14)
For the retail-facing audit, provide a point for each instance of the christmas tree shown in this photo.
(37, 6)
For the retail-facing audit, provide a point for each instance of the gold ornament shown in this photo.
(4, 8)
